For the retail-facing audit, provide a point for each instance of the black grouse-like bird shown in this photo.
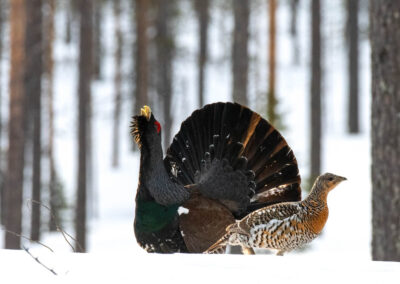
(225, 162)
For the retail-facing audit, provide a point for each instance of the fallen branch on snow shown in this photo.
(38, 261)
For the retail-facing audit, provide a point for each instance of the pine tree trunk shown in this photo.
(164, 53)
(15, 173)
(240, 56)
(97, 46)
(272, 102)
(69, 20)
(294, 6)
(84, 92)
(141, 96)
(2, 189)
(315, 103)
(117, 83)
(33, 89)
(385, 129)
(48, 70)
(202, 9)
(353, 113)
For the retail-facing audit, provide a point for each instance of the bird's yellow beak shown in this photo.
(146, 112)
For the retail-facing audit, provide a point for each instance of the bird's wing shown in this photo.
(202, 221)
(270, 215)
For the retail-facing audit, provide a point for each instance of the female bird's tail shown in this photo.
(220, 246)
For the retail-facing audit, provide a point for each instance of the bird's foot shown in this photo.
(247, 250)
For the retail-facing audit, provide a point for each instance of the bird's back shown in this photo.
(282, 227)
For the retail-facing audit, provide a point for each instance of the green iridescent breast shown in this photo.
(152, 217)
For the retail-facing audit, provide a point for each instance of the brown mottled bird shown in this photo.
(284, 226)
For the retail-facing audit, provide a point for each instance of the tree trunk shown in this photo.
(69, 20)
(97, 46)
(202, 9)
(84, 92)
(2, 189)
(240, 56)
(48, 90)
(33, 90)
(315, 103)
(294, 6)
(352, 21)
(117, 83)
(272, 101)
(141, 96)
(385, 129)
(164, 53)
(15, 175)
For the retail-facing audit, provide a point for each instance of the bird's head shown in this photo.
(145, 129)
(329, 181)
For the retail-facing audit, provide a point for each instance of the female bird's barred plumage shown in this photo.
(284, 226)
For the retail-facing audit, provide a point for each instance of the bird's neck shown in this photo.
(318, 194)
(317, 208)
(155, 180)
(316, 201)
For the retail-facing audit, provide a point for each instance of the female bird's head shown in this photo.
(323, 185)
(329, 181)
(145, 129)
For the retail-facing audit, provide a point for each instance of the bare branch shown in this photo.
(38, 261)
(26, 238)
(59, 229)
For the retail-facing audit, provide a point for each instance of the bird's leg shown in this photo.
(280, 252)
(247, 250)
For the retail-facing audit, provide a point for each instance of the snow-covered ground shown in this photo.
(127, 267)
(341, 253)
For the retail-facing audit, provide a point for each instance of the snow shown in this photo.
(125, 267)
(340, 253)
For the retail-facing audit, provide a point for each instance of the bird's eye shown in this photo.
(158, 126)
(330, 179)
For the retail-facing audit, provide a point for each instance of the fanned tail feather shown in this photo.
(244, 142)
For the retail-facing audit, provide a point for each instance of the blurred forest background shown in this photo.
(140, 55)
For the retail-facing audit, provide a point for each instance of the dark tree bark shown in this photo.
(352, 22)
(15, 173)
(68, 25)
(48, 91)
(315, 102)
(2, 189)
(84, 92)
(272, 101)
(117, 83)
(240, 56)
(33, 89)
(294, 6)
(141, 60)
(165, 46)
(97, 46)
(385, 129)
(202, 9)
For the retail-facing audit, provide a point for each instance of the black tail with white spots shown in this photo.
(235, 156)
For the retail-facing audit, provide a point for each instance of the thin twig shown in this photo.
(38, 261)
(26, 238)
(59, 229)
